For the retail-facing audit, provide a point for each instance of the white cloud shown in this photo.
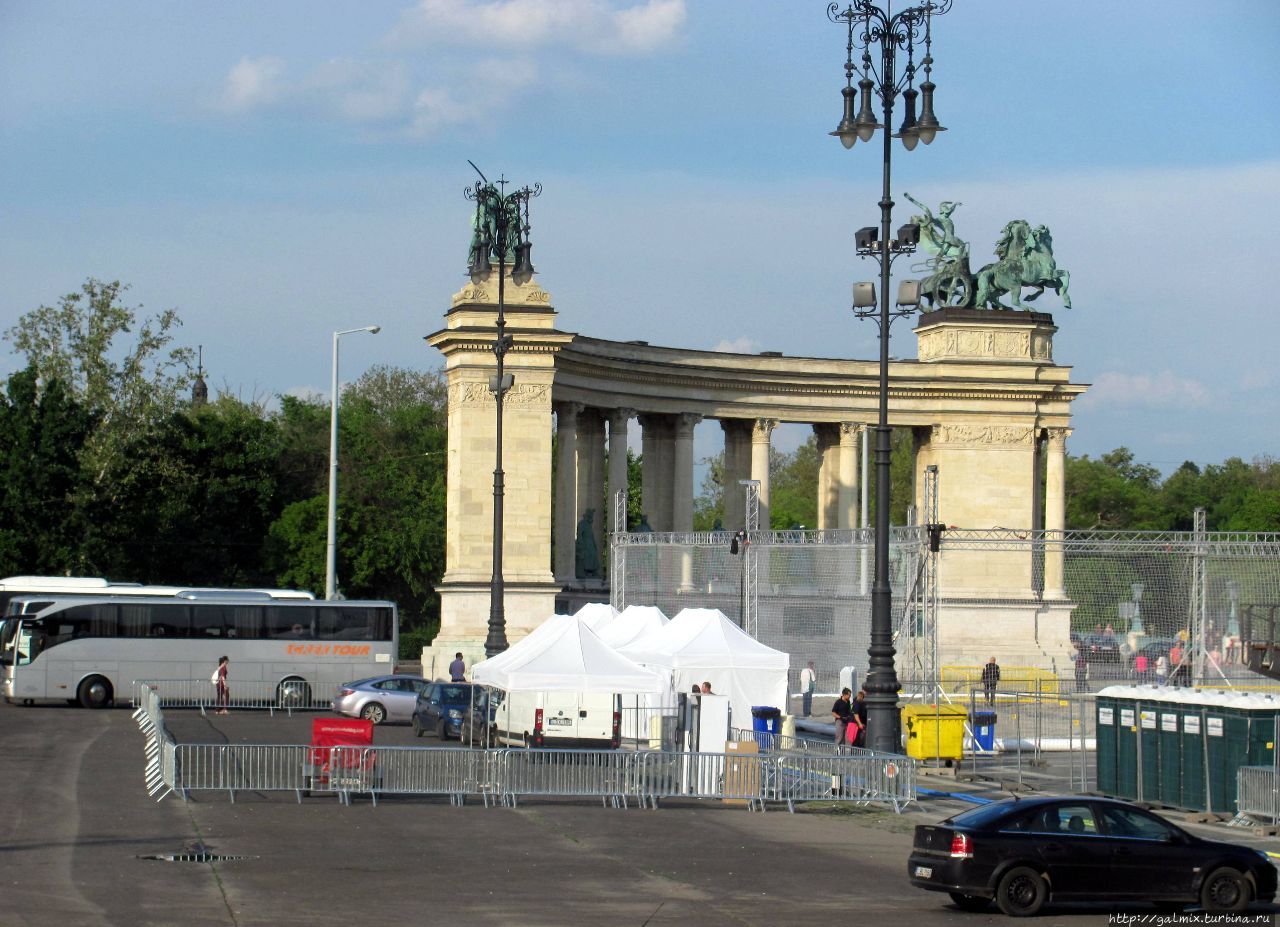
(742, 345)
(592, 26)
(1162, 389)
(252, 82)
(359, 91)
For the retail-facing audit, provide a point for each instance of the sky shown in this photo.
(279, 171)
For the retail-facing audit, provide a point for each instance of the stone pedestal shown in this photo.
(467, 345)
(989, 457)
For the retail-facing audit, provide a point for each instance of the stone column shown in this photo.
(847, 495)
(591, 471)
(828, 438)
(1055, 512)
(655, 469)
(618, 419)
(682, 473)
(566, 488)
(737, 466)
(761, 430)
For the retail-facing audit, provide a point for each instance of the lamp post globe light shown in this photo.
(331, 544)
(872, 29)
(501, 232)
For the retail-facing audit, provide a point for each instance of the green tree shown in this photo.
(391, 494)
(45, 430)
(1114, 492)
(129, 390)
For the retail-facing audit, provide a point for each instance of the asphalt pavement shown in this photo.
(76, 828)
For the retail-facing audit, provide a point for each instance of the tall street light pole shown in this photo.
(331, 545)
(502, 232)
(871, 28)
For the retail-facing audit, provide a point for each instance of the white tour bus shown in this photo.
(91, 650)
(67, 586)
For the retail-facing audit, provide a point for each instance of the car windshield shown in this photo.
(980, 816)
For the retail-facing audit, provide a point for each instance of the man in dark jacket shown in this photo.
(990, 679)
(843, 712)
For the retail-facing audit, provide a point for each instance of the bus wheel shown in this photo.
(293, 693)
(94, 692)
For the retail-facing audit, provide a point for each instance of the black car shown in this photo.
(1022, 854)
(442, 706)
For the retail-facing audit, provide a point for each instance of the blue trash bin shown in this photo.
(984, 730)
(765, 721)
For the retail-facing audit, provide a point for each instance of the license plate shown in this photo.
(924, 872)
(560, 722)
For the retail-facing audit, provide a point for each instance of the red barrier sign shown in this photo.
(327, 733)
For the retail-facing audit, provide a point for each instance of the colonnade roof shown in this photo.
(650, 378)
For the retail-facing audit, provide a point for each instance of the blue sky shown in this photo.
(278, 171)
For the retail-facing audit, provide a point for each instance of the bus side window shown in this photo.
(208, 621)
(346, 623)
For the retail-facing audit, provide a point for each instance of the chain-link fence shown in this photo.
(1067, 612)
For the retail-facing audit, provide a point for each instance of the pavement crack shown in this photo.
(213, 868)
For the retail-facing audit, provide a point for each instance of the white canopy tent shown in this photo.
(701, 644)
(564, 655)
(633, 622)
(597, 615)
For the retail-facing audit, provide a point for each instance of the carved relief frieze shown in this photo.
(983, 435)
(984, 343)
(473, 393)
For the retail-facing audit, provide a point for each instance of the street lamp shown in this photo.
(501, 231)
(1233, 622)
(331, 545)
(1135, 626)
(871, 27)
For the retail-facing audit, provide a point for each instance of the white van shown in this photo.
(568, 720)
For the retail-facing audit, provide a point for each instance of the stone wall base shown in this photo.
(464, 620)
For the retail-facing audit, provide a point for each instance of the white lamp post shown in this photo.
(331, 547)
(1135, 626)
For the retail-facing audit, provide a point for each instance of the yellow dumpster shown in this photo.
(934, 731)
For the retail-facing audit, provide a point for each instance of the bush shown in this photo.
(412, 640)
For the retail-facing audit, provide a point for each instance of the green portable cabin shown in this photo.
(1181, 747)
(1105, 727)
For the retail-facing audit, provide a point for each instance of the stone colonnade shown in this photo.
(984, 401)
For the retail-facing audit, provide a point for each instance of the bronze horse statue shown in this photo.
(1025, 260)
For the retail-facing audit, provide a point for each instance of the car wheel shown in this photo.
(969, 902)
(374, 712)
(1022, 892)
(1226, 891)
(417, 727)
(442, 731)
(94, 692)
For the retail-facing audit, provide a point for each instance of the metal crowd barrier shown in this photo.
(289, 696)
(504, 775)
(1258, 792)
(159, 748)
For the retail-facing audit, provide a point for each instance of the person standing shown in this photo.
(1141, 665)
(222, 693)
(458, 668)
(859, 705)
(1162, 669)
(990, 679)
(808, 682)
(842, 711)
(1177, 658)
(1082, 671)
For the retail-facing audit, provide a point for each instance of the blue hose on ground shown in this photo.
(962, 796)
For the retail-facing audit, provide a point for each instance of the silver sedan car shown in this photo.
(380, 698)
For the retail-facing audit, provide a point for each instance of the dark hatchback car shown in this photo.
(442, 706)
(1023, 854)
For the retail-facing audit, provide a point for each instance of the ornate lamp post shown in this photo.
(871, 28)
(331, 542)
(502, 232)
